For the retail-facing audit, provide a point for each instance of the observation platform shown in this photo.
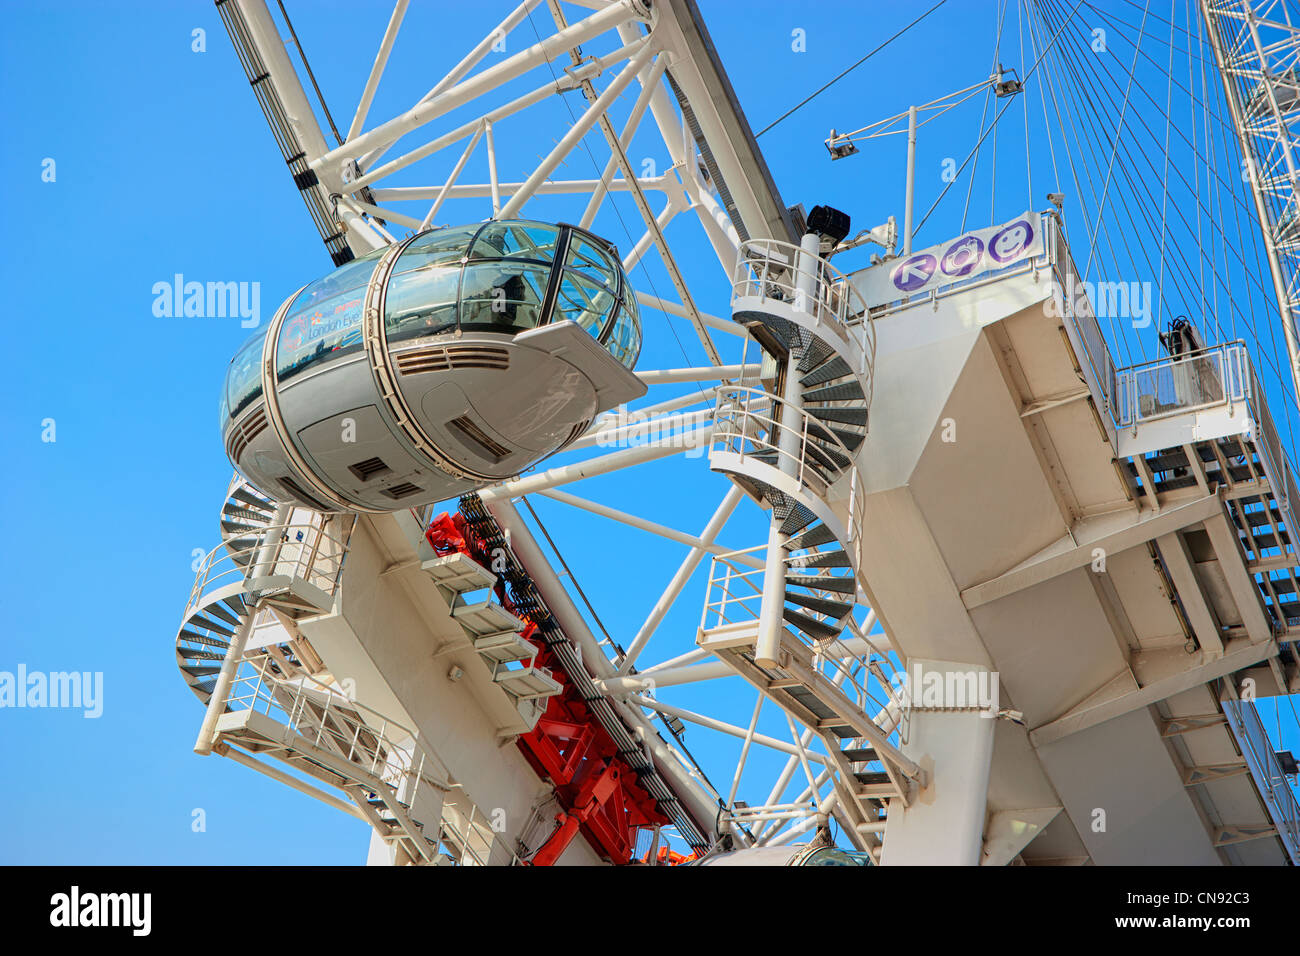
(1113, 543)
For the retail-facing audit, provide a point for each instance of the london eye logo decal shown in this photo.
(294, 331)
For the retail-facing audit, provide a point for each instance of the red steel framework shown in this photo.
(597, 790)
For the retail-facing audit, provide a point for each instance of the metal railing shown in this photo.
(329, 720)
(747, 423)
(1210, 377)
(733, 599)
(735, 590)
(1173, 385)
(1221, 375)
(312, 551)
(1078, 311)
(768, 269)
(1276, 465)
(1257, 749)
(379, 747)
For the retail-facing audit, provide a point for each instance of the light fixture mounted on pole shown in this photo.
(1004, 82)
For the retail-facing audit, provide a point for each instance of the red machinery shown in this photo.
(597, 790)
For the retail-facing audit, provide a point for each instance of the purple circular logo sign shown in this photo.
(1011, 241)
(915, 272)
(962, 257)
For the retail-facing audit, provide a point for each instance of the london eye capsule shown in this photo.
(445, 362)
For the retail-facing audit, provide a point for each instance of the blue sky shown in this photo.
(164, 165)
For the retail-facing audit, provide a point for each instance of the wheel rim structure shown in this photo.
(631, 82)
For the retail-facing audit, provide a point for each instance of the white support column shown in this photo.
(645, 429)
(377, 173)
(666, 677)
(712, 373)
(578, 130)
(494, 179)
(649, 84)
(945, 823)
(376, 71)
(671, 208)
(221, 690)
(475, 56)
(263, 562)
(600, 465)
(744, 750)
(771, 612)
(674, 308)
(451, 180)
(771, 619)
(553, 187)
(681, 578)
(782, 781)
(682, 151)
(725, 728)
(458, 95)
(911, 181)
(690, 657)
(809, 823)
(651, 527)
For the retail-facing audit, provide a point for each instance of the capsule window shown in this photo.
(516, 240)
(583, 301)
(324, 321)
(592, 262)
(624, 341)
(244, 380)
(507, 277)
(421, 302)
(442, 247)
(503, 296)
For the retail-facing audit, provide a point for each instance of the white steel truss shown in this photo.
(608, 80)
(1257, 47)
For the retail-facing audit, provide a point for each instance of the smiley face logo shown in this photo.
(962, 257)
(1011, 241)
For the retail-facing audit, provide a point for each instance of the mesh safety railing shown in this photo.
(312, 551)
(733, 601)
(328, 719)
(748, 422)
(1178, 384)
(768, 269)
(1274, 788)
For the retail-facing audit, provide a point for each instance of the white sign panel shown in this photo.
(967, 256)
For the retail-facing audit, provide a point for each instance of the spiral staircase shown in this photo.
(275, 565)
(792, 449)
(215, 613)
